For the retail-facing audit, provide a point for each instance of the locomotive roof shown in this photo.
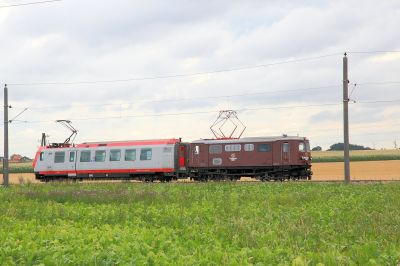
(249, 139)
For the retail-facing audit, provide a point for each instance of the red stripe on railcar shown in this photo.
(128, 143)
(109, 171)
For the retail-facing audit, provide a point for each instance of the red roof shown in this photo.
(128, 143)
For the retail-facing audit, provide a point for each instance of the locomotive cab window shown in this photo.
(215, 149)
(72, 157)
(130, 155)
(59, 157)
(145, 154)
(285, 147)
(249, 147)
(264, 147)
(302, 147)
(41, 156)
(233, 147)
(85, 156)
(100, 156)
(115, 155)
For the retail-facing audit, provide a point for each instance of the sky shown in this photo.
(162, 61)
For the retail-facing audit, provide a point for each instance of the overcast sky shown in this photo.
(88, 40)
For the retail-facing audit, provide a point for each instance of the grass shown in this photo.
(355, 156)
(201, 224)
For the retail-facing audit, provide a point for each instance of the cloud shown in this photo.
(83, 41)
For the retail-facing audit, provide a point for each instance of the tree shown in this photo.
(317, 148)
(340, 147)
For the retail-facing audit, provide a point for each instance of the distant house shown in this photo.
(15, 158)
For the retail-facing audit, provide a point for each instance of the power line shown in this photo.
(178, 75)
(183, 113)
(374, 52)
(40, 107)
(30, 3)
(204, 112)
(187, 99)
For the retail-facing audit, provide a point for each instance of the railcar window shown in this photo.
(285, 147)
(130, 155)
(233, 147)
(59, 157)
(85, 156)
(72, 157)
(100, 156)
(264, 148)
(41, 156)
(215, 149)
(302, 147)
(249, 147)
(115, 155)
(145, 154)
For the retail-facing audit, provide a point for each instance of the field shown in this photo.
(375, 170)
(201, 224)
(19, 167)
(368, 155)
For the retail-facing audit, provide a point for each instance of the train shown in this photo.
(263, 158)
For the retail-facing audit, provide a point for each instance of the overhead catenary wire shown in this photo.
(39, 107)
(206, 112)
(182, 113)
(29, 3)
(296, 60)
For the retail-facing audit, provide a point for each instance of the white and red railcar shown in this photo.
(145, 160)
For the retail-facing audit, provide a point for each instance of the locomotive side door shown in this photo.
(199, 155)
(195, 154)
(285, 153)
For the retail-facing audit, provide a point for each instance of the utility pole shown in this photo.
(346, 121)
(5, 160)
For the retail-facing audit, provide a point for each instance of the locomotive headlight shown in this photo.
(306, 158)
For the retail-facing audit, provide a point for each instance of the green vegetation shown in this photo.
(19, 168)
(362, 155)
(340, 147)
(201, 224)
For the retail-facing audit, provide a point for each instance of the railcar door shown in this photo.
(285, 153)
(182, 157)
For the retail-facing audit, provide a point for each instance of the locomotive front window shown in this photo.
(72, 157)
(59, 157)
(145, 154)
(100, 156)
(41, 156)
(85, 156)
(115, 155)
(215, 149)
(130, 155)
(264, 148)
(302, 147)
